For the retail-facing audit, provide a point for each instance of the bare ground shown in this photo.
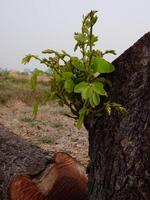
(51, 131)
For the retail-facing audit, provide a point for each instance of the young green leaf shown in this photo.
(67, 75)
(65, 53)
(102, 66)
(77, 64)
(119, 107)
(87, 23)
(76, 46)
(98, 87)
(91, 102)
(27, 58)
(49, 51)
(80, 38)
(96, 99)
(80, 87)
(110, 52)
(69, 85)
(92, 39)
(33, 81)
(107, 107)
(86, 93)
(82, 113)
(94, 20)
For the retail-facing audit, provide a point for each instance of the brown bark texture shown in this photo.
(18, 156)
(119, 146)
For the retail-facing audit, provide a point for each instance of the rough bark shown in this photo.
(119, 146)
(18, 156)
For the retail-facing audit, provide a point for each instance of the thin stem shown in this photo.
(83, 53)
(91, 32)
(67, 104)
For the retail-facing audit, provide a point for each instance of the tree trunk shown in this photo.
(120, 145)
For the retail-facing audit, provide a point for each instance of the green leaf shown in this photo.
(82, 113)
(27, 58)
(119, 107)
(33, 81)
(87, 23)
(80, 121)
(49, 51)
(77, 64)
(101, 65)
(94, 20)
(92, 39)
(96, 99)
(85, 29)
(93, 12)
(69, 85)
(108, 108)
(86, 92)
(80, 87)
(80, 38)
(98, 87)
(110, 51)
(35, 108)
(91, 102)
(76, 46)
(65, 53)
(67, 75)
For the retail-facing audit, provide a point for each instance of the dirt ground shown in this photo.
(52, 130)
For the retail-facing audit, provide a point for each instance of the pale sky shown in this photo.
(30, 26)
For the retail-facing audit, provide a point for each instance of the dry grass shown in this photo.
(15, 86)
(52, 131)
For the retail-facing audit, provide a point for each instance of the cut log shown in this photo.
(65, 180)
(18, 156)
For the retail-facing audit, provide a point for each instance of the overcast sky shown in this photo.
(30, 26)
